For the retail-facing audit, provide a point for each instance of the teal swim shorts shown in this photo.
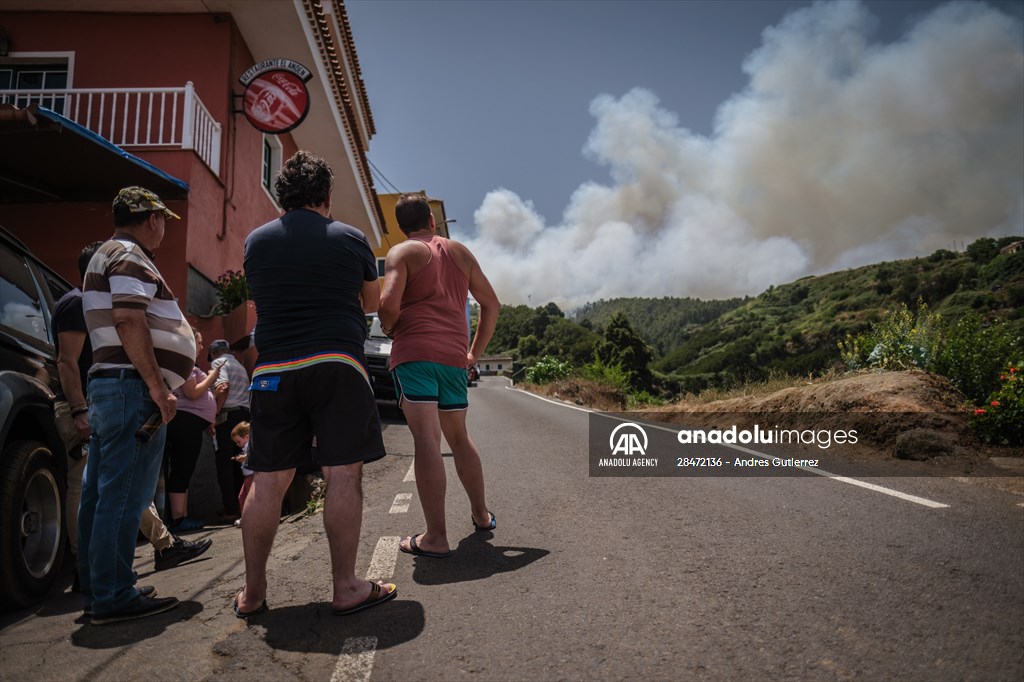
(430, 382)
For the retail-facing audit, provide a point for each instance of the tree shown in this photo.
(553, 310)
(981, 251)
(570, 341)
(623, 346)
(514, 322)
(528, 347)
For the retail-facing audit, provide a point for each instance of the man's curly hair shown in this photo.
(304, 180)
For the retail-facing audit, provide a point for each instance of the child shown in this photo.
(240, 434)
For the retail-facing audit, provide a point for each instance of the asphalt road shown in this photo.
(590, 578)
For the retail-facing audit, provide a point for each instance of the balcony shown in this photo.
(135, 117)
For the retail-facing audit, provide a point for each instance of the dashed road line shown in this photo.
(814, 470)
(411, 474)
(401, 503)
(355, 662)
(382, 564)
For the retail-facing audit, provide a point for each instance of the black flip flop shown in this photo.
(492, 526)
(239, 613)
(415, 550)
(371, 600)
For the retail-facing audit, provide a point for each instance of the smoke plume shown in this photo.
(838, 153)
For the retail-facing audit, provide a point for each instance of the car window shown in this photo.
(20, 308)
(56, 286)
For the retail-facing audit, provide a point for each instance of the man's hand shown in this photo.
(137, 340)
(82, 426)
(164, 400)
(470, 360)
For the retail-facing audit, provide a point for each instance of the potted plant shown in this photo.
(234, 305)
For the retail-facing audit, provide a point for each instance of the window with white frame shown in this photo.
(31, 73)
(271, 163)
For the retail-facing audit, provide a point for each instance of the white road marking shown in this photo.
(355, 662)
(845, 479)
(411, 474)
(401, 503)
(814, 470)
(382, 564)
(549, 400)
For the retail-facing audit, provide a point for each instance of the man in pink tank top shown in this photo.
(427, 280)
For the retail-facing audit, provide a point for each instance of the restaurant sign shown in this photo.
(276, 99)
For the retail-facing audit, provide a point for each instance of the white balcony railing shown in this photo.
(134, 117)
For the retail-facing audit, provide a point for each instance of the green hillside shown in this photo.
(794, 328)
(665, 323)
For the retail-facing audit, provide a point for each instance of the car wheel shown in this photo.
(31, 524)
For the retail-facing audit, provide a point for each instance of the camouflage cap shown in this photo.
(141, 200)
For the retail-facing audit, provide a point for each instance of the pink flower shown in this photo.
(994, 403)
(979, 411)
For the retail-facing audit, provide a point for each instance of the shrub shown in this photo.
(854, 350)
(605, 373)
(1001, 419)
(971, 353)
(642, 399)
(548, 369)
(903, 339)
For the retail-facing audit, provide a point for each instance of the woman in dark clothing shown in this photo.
(197, 409)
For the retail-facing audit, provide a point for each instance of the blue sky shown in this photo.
(564, 126)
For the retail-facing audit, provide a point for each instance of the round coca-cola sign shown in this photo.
(276, 101)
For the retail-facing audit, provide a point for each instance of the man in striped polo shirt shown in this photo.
(142, 349)
(312, 279)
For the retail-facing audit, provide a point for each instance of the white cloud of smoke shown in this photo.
(839, 153)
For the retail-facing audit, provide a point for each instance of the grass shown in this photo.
(749, 389)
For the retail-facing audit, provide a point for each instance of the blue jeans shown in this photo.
(120, 480)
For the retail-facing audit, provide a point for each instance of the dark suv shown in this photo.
(33, 464)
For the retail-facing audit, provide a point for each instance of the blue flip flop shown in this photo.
(491, 526)
(415, 550)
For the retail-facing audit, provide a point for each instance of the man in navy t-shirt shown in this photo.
(313, 280)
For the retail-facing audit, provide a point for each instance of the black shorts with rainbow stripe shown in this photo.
(326, 395)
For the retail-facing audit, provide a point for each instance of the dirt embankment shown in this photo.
(910, 415)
